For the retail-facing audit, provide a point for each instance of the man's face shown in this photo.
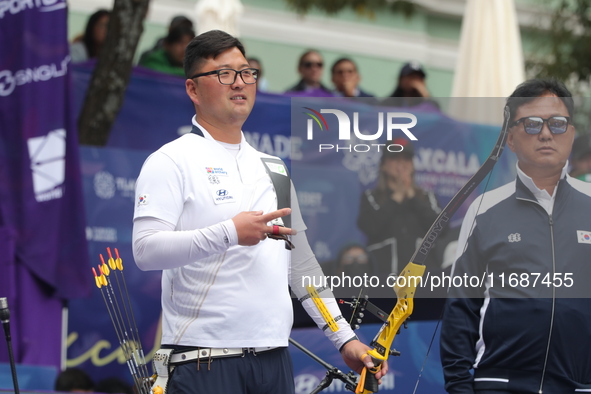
(176, 50)
(410, 84)
(311, 68)
(398, 166)
(545, 153)
(345, 74)
(218, 104)
(99, 31)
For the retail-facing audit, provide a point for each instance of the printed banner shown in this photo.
(40, 190)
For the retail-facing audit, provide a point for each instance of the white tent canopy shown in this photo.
(490, 60)
(218, 15)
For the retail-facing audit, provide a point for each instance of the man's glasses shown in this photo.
(312, 64)
(534, 124)
(227, 76)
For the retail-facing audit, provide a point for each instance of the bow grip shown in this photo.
(371, 382)
(368, 383)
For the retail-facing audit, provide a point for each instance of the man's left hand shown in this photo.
(352, 354)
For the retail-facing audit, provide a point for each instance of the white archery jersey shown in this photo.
(238, 297)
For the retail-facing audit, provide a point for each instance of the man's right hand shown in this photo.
(252, 228)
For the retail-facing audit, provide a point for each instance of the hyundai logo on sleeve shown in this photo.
(222, 192)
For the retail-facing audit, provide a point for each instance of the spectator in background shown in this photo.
(411, 81)
(581, 158)
(262, 83)
(88, 45)
(113, 386)
(169, 59)
(310, 67)
(353, 260)
(177, 21)
(74, 380)
(396, 214)
(346, 78)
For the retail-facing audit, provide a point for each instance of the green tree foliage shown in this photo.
(562, 50)
(362, 7)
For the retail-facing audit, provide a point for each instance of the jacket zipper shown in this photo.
(551, 223)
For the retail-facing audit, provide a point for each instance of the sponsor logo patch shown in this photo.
(277, 168)
(222, 196)
(516, 237)
(219, 171)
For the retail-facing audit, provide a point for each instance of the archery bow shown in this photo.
(411, 275)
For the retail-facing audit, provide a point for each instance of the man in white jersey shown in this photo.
(205, 204)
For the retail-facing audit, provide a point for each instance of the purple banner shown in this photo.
(40, 190)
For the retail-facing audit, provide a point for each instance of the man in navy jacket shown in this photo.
(523, 325)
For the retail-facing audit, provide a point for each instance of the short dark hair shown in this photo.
(73, 379)
(180, 20)
(341, 60)
(533, 88)
(177, 33)
(303, 56)
(208, 45)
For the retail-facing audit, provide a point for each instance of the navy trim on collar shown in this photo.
(197, 130)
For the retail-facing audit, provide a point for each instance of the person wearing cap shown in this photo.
(169, 59)
(310, 68)
(411, 81)
(581, 158)
(396, 213)
(175, 22)
(346, 78)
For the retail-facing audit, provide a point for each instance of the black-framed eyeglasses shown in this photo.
(227, 76)
(534, 124)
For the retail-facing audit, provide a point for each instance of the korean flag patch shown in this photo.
(584, 237)
(143, 199)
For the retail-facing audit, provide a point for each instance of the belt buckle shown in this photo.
(248, 350)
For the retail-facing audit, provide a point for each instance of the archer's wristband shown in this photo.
(352, 339)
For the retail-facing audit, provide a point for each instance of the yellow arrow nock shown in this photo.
(118, 260)
(112, 263)
(97, 280)
(157, 390)
(104, 267)
(102, 277)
